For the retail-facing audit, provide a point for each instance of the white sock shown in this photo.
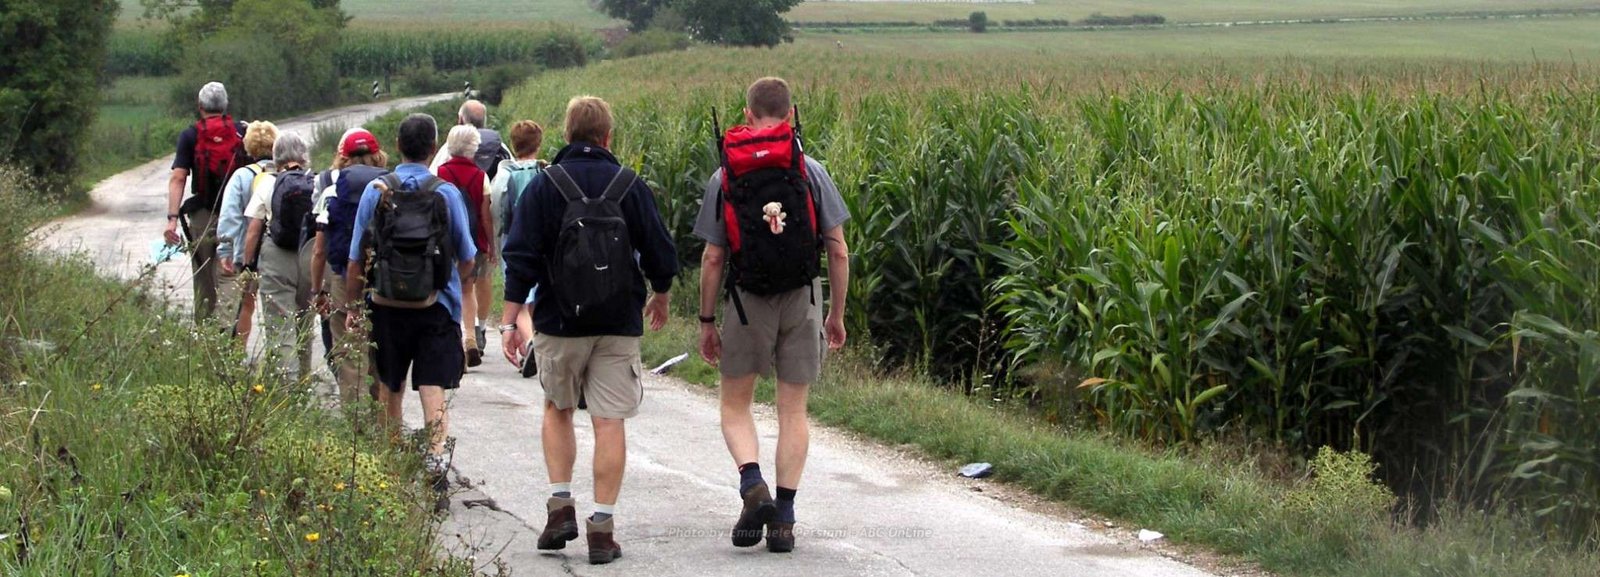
(561, 489)
(603, 512)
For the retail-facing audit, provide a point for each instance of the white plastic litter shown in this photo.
(977, 470)
(1147, 536)
(662, 370)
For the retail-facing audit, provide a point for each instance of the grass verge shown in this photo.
(1335, 522)
(133, 443)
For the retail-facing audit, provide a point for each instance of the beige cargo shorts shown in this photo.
(606, 371)
(782, 333)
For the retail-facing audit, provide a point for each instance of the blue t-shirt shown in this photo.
(412, 176)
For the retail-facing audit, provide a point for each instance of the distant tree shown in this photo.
(978, 22)
(735, 22)
(738, 22)
(51, 53)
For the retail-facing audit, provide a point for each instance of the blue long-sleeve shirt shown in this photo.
(412, 176)
(531, 243)
(231, 223)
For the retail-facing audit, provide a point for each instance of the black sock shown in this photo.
(785, 505)
(749, 476)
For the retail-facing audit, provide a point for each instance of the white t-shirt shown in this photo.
(260, 205)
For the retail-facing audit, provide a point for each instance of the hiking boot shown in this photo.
(438, 471)
(602, 548)
(780, 537)
(474, 354)
(561, 526)
(529, 367)
(482, 333)
(758, 512)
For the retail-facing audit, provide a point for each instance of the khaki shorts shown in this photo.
(784, 333)
(606, 371)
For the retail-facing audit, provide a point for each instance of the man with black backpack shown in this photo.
(358, 162)
(280, 228)
(583, 231)
(207, 155)
(769, 214)
(411, 245)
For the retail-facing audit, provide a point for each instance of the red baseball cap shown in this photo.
(358, 141)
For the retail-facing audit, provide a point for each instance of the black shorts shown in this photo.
(423, 342)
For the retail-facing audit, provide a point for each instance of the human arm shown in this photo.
(319, 263)
(252, 241)
(838, 286)
(486, 216)
(711, 265)
(658, 255)
(175, 185)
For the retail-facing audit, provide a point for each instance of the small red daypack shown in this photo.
(218, 151)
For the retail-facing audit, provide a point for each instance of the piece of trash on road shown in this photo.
(1146, 536)
(662, 370)
(161, 252)
(977, 470)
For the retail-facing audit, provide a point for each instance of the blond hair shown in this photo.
(258, 139)
(588, 120)
(526, 138)
(463, 141)
(374, 159)
(769, 98)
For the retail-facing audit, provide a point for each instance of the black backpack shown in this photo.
(349, 185)
(411, 244)
(593, 268)
(291, 208)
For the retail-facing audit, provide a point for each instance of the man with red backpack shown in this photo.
(770, 214)
(207, 155)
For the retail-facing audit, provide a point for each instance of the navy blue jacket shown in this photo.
(537, 224)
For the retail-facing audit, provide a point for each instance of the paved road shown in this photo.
(864, 509)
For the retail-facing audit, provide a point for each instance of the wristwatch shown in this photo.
(171, 217)
(711, 320)
(507, 328)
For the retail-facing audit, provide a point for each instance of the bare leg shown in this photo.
(738, 425)
(560, 443)
(434, 416)
(391, 417)
(610, 458)
(794, 434)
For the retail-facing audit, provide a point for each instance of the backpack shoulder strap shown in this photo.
(432, 184)
(620, 185)
(564, 183)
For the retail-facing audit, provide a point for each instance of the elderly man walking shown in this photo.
(207, 155)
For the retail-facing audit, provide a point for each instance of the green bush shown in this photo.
(51, 52)
(271, 64)
(650, 42)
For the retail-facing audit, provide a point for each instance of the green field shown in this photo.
(1554, 38)
(574, 12)
(1174, 10)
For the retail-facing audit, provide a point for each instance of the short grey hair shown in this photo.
(214, 98)
(474, 113)
(290, 149)
(463, 141)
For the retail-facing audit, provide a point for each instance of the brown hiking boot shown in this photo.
(758, 511)
(780, 537)
(562, 526)
(602, 548)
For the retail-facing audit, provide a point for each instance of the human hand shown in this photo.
(171, 233)
(323, 304)
(710, 344)
(512, 345)
(834, 329)
(228, 268)
(656, 310)
(352, 320)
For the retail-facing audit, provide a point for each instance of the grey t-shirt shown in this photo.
(831, 211)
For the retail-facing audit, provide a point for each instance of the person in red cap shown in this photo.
(359, 162)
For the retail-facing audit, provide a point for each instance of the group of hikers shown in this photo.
(399, 265)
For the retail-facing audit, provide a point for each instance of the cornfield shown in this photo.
(1398, 258)
(378, 50)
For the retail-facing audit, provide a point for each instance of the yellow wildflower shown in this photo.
(95, 387)
(258, 389)
(338, 486)
(383, 485)
(313, 537)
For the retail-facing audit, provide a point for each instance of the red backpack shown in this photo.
(769, 210)
(218, 151)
